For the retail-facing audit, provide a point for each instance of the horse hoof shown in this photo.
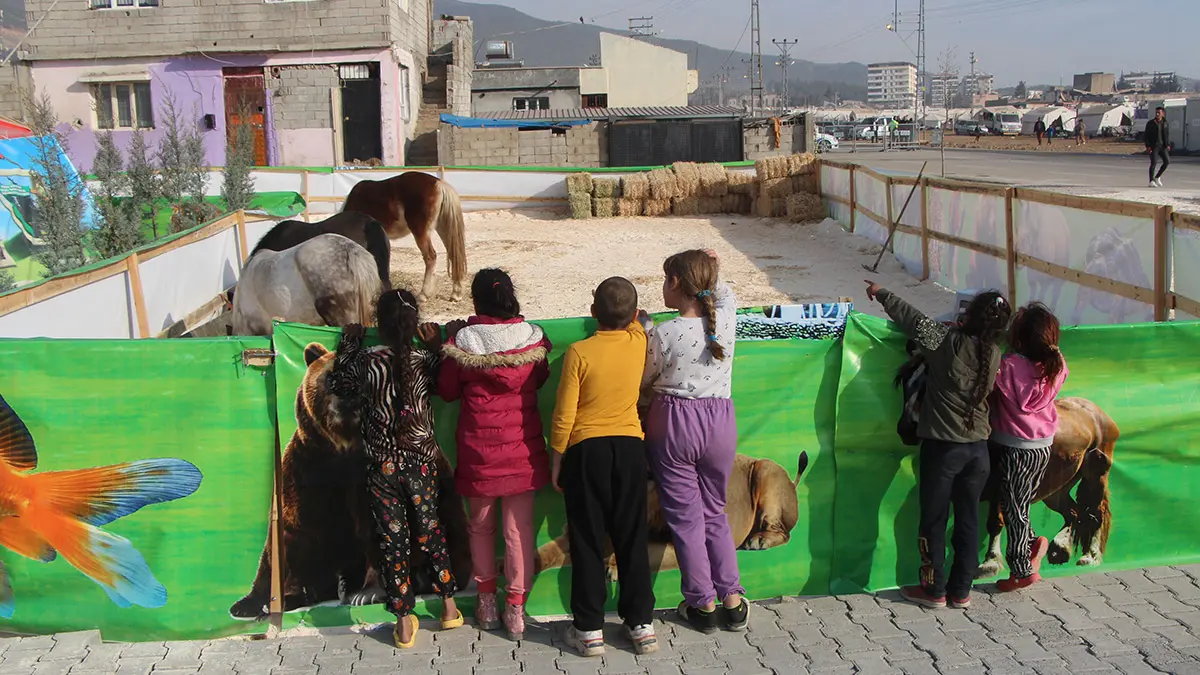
(611, 573)
(1088, 561)
(988, 569)
(372, 595)
(249, 608)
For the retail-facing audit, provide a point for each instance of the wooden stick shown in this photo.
(277, 559)
(1011, 246)
(891, 223)
(241, 235)
(1162, 236)
(853, 205)
(139, 299)
(304, 192)
(925, 271)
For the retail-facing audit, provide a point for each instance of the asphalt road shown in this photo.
(1051, 170)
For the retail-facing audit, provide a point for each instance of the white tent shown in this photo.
(1097, 118)
(1049, 115)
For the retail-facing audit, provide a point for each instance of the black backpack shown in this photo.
(910, 380)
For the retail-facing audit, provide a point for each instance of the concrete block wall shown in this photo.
(15, 86)
(584, 146)
(301, 98)
(72, 31)
(794, 138)
(408, 27)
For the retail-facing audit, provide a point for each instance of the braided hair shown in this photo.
(985, 319)
(494, 295)
(1034, 335)
(696, 272)
(396, 316)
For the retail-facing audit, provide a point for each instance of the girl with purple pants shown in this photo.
(691, 435)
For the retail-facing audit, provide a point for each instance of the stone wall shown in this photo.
(455, 37)
(301, 98)
(14, 88)
(582, 146)
(795, 136)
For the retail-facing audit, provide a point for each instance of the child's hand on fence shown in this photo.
(453, 327)
(430, 335)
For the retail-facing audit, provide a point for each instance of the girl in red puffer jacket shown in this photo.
(495, 363)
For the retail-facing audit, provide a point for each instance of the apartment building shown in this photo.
(322, 83)
(892, 84)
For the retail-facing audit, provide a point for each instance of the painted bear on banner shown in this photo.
(327, 536)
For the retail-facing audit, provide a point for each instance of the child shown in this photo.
(496, 363)
(691, 435)
(953, 427)
(600, 467)
(1024, 421)
(390, 387)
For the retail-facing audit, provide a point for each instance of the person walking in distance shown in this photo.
(1158, 145)
(1080, 133)
(1039, 128)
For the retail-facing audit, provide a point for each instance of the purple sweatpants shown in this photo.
(691, 445)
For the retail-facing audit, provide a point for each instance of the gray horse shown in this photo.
(328, 280)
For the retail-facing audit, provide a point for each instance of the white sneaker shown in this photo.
(1153, 184)
(586, 642)
(643, 637)
(1158, 182)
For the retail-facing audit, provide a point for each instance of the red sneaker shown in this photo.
(918, 595)
(1037, 552)
(1017, 583)
(959, 603)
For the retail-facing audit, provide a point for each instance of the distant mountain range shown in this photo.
(546, 43)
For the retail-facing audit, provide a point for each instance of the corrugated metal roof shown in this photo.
(660, 112)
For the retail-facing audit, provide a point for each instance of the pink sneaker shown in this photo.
(487, 617)
(514, 621)
(1037, 552)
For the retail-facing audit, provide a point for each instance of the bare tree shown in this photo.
(948, 72)
(120, 228)
(59, 192)
(237, 185)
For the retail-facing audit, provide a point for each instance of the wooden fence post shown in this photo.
(241, 235)
(853, 204)
(304, 191)
(887, 185)
(275, 605)
(139, 298)
(1162, 244)
(925, 272)
(1011, 246)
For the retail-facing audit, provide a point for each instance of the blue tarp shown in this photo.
(18, 204)
(485, 123)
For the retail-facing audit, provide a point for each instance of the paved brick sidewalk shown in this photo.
(1141, 621)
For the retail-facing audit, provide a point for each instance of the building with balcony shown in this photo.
(892, 84)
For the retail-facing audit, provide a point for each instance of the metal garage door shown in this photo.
(661, 142)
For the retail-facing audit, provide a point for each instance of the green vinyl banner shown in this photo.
(174, 526)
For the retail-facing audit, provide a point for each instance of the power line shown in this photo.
(785, 60)
(641, 26)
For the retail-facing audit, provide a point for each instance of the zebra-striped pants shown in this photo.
(1020, 475)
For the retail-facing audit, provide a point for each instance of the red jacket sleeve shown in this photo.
(541, 371)
(449, 384)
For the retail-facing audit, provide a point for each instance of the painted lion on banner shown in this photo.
(326, 530)
(761, 505)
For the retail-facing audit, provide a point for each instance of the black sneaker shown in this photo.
(705, 622)
(738, 618)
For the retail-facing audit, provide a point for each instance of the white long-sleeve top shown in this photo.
(678, 362)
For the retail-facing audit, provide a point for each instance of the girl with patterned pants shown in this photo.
(389, 387)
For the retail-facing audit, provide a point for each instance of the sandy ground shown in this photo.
(1108, 146)
(556, 262)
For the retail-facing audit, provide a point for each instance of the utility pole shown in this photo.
(785, 60)
(922, 77)
(722, 80)
(973, 84)
(642, 26)
(756, 72)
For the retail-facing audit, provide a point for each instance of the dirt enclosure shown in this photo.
(556, 262)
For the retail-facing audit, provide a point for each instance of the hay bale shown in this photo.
(761, 167)
(687, 175)
(805, 183)
(711, 204)
(628, 206)
(714, 180)
(685, 206)
(802, 164)
(581, 205)
(776, 188)
(735, 203)
(636, 186)
(663, 184)
(768, 168)
(657, 207)
(741, 182)
(805, 207)
(606, 187)
(604, 207)
(579, 183)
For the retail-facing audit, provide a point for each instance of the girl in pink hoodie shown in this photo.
(1024, 421)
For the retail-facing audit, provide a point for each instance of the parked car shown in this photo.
(825, 142)
(873, 128)
(969, 127)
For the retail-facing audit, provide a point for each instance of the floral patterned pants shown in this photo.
(405, 505)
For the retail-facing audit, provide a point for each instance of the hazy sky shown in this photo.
(1035, 40)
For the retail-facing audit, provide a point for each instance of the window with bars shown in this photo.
(123, 105)
(595, 100)
(121, 4)
(532, 103)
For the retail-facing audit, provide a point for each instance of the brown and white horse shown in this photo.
(418, 203)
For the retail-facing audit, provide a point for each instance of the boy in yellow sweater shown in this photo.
(600, 467)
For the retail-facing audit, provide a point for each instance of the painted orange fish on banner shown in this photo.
(46, 514)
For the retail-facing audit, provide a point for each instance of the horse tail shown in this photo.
(450, 226)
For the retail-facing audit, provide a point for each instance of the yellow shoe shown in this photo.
(456, 622)
(412, 619)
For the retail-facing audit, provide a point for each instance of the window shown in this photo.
(595, 100)
(405, 97)
(533, 103)
(121, 4)
(123, 105)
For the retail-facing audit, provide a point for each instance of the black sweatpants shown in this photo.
(951, 473)
(1156, 154)
(604, 488)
